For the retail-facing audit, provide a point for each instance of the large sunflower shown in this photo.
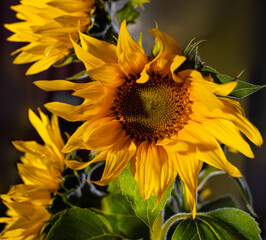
(40, 171)
(164, 121)
(46, 25)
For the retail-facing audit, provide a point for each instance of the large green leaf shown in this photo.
(242, 89)
(222, 202)
(81, 224)
(143, 209)
(222, 224)
(118, 211)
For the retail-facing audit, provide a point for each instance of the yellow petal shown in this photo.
(43, 64)
(116, 160)
(177, 62)
(169, 49)
(103, 134)
(109, 75)
(59, 85)
(188, 170)
(29, 146)
(100, 49)
(169, 46)
(244, 125)
(131, 56)
(75, 141)
(40, 127)
(154, 170)
(90, 61)
(226, 132)
(77, 165)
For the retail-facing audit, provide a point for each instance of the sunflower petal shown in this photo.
(100, 49)
(128, 49)
(109, 75)
(77, 165)
(188, 170)
(117, 160)
(103, 134)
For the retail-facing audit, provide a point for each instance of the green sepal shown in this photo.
(66, 60)
(82, 224)
(242, 89)
(143, 209)
(129, 12)
(80, 75)
(221, 224)
(192, 54)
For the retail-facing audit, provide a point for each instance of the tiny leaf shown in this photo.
(143, 209)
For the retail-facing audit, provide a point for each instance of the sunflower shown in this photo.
(144, 110)
(40, 170)
(46, 25)
(26, 213)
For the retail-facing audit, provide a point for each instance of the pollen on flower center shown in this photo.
(153, 110)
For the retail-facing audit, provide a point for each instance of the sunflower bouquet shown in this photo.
(152, 130)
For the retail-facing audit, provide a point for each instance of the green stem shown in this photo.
(170, 221)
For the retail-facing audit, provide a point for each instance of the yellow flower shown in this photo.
(26, 213)
(164, 121)
(40, 170)
(46, 25)
(42, 165)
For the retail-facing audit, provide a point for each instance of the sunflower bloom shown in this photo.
(164, 121)
(40, 170)
(26, 212)
(46, 25)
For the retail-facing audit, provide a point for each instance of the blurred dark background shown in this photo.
(234, 31)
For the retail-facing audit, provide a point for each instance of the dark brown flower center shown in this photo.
(153, 110)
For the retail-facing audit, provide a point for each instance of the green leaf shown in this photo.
(242, 89)
(222, 224)
(122, 218)
(207, 172)
(243, 187)
(222, 202)
(81, 224)
(143, 209)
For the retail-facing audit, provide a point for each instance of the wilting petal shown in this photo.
(127, 50)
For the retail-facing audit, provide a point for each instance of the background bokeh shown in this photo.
(234, 31)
